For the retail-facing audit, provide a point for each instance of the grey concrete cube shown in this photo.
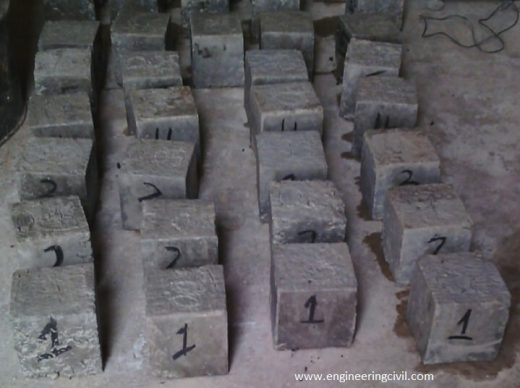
(50, 167)
(289, 30)
(217, 50)
(191, 7)
(383, 102)
(306, 211)
(285, 107)
(375, 27)
(63, 115)
(153, 169)
(390, 8)
(313, 296)
(263, 67)
(287, 156)
(59, 71)
(178, 233)
(260, 6)
(150, 70)
(458, 308)
(69, 10)
(55, 230)
(164, 114)
(186, 322)
(420, 220)
(53, 316)
(366, 59)
(68, 34)
(395, 157)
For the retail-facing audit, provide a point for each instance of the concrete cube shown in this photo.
(191, 7)
(306, 211)
(53, 315)
(313, 296)
(186, 322)
(217, 50)
(420, 220)
(366, 59)
(383, 102)
(164, 114)
(289, 30)
(55, 231)
(260, 6)
(178, 233)
(287, 156)
(285, 107)
(60, 71)
(263, 67)
(50, 167)
(395, 157)
(390, 8)
(155, 169)
(374, 27)
(69, 10)
(63, 115)
(68, 34)
(150, 70)
(458, 308)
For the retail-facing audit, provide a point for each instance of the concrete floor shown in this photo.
(468, 102)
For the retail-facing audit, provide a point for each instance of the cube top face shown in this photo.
(48, 217)
(273, 66)
(277, 150)
(369, 53)
(185, 290)
(160, 67)
(59, 110)
(153, 104)
(68, 34)
(132, 22)
(59, 291)
(302, 267)
(376, 27)
(289, 22)
(62, 63)
(51, 155)
(400, 146)
(428, 205)
(386, 90)
(464, 278)
(306, 200)
(175, 219)
(286, 96)
(208, 24)
(158, 158)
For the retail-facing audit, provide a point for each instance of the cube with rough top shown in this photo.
(306, 211)
(186, 324)
(68, 34)
(69, 10)
(178, 233)
(420, 220)
(391, 8)
(191, 7)
(285, 107)
(375, 27)
(313, 296)
(383, 102)
(53, 315)
(217, 50)
(263, 67)
(458, 308)
(287, 156)
(63, 115)
(289, 30)
(54, 230)
(51, 167)
(259, 6)
(150, 70)
(366, 59)
(395, 157)
(155, 169)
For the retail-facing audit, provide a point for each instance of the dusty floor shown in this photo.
(467, 100)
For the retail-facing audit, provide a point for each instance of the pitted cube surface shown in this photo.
(68, 34)
(150, 69)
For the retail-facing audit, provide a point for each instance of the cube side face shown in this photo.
(369, 180)
(63, 9)
(148, 70)
(303, 41)
(181, 345)
(392, 235)
(260, 6)
(176, 128)
(68, 34)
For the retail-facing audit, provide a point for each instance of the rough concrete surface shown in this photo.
(468, 99)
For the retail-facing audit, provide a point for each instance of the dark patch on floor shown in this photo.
(348, 137)
(326, 26)
(374, 243)
(362, 211)
(357, 181)
(348, 155)
(401, 328)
